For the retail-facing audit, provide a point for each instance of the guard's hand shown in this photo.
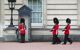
(19, 31)
(63, 30)
(51, 30)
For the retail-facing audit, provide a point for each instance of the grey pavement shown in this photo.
(38, 46)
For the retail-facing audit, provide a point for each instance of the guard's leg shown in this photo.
(65, 39)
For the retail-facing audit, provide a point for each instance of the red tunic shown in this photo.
(21, 28)
(55, 29)
(67, 28)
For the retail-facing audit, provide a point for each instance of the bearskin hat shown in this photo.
(56, 20)
(68, 20)
(22, 20)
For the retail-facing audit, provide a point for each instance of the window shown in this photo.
(36, 6)
(0, 11)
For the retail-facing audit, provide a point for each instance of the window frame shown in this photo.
(39, 24)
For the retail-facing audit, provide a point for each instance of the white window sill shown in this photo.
(36, 25)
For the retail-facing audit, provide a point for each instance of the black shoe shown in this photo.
(70, 42)
(58, 42)
(53, 43)
(64, 43)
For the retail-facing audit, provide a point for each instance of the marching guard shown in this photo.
(67, 32)
(55, 39)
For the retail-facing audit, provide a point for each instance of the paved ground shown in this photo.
(38, 46)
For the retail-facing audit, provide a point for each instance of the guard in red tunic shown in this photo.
(66, 32)
(21, 28)
(54, 31)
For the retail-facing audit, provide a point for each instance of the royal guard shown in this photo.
(21, 28)
(54, 31)
(67, 32)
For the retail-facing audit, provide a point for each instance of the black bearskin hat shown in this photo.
(56, 21)
(22, 20)
(68, 20)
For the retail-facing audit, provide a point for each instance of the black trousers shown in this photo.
(67, 39)
(56, 39)
(22, 38)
